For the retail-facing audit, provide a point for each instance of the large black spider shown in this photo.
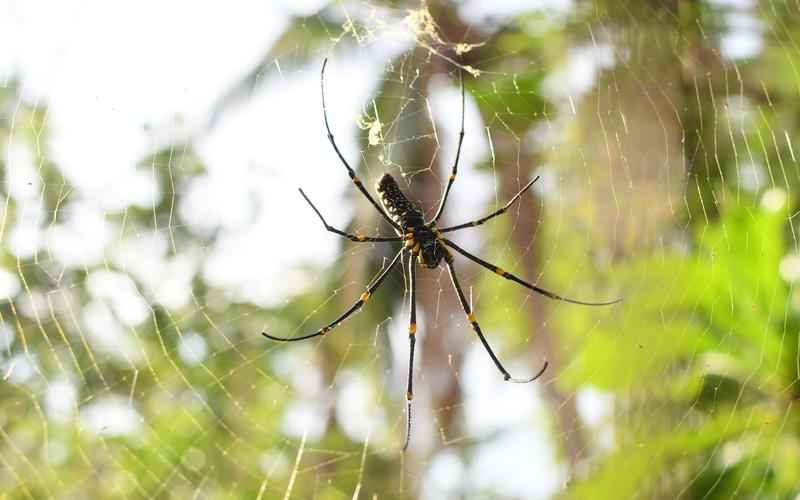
(426, 242)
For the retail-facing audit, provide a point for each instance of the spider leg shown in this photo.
(515, 279)
(353, 237)
(497, 212)
(350, 170)
(412, 339)
(475, 326)
(355, 307)
(454, 172)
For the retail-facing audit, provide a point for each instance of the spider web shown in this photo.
(151, 230)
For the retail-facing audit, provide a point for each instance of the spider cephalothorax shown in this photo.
(421, 239)
(427, 243)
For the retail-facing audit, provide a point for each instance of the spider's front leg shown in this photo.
(355, 307)
(412, 339)
(475, 326)
(505, 274)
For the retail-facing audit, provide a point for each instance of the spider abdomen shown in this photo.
(400, 209)
(419, 238)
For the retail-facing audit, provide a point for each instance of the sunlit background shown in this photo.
(151, 229)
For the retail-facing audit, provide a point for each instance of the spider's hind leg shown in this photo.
(454, 171)
(499, 211)
(359, 238)
(350, 172)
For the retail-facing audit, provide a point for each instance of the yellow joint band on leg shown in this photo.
(365, 296)
(471, 317)
(356, 180)
(324, 330)
(409, 396)
(412, 328)
(452, 178)
(360, 237)
(499, 271)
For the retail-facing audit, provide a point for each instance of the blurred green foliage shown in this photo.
(704, 363)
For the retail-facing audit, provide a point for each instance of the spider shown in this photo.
(427, 243)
